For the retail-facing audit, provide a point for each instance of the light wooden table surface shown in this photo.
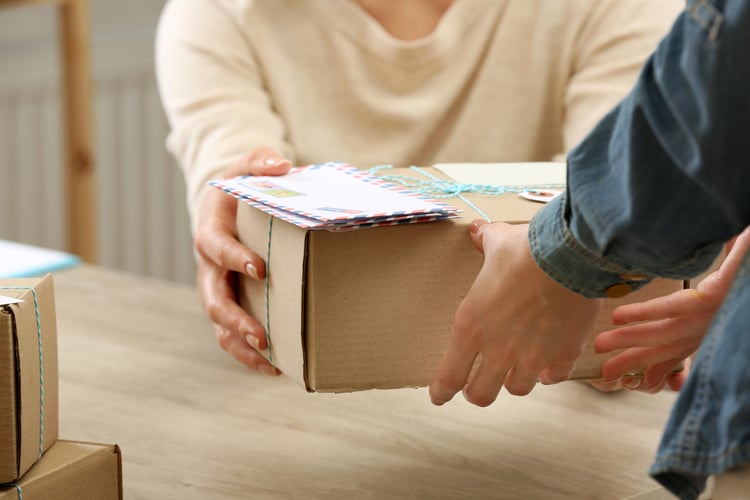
(139, 367)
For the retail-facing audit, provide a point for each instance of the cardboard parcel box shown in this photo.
(28, 373)
(71, 470)
(372, 308)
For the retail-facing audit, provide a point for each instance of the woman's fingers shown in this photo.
(244, 353)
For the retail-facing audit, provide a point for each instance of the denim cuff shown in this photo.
(559, 254)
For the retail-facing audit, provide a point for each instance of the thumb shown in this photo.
(260, 161)
(476, 232)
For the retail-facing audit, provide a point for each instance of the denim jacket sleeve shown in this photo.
(661, 182)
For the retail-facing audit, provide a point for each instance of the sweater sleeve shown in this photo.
(213, 93)
(615, 40)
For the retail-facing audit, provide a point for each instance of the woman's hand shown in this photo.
(221, 256)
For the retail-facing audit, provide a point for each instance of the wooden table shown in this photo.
(139, 366)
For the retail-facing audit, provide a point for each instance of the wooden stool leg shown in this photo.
(80, 182)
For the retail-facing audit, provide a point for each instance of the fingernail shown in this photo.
(271, 161)
(251, 271)
(268, 370)
(474, 227)
(253, 341)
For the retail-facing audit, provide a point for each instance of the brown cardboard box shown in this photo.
(372, 308)
(28, 374)
(71, 470)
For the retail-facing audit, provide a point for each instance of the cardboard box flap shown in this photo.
(546, 174)
(28, 400)
(277, 307)
(8, 397)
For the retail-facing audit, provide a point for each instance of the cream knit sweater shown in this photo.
(319, 80)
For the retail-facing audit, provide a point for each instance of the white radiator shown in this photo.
(142, 219)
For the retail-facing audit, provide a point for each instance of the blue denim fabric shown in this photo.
(709, 429)
(661, 181)
(657, 188)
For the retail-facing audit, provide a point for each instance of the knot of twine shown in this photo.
(434, 187)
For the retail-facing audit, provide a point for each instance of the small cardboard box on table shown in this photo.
(71, 470)
(28, 373)
(372, 308)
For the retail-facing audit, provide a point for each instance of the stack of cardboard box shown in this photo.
(34, 464)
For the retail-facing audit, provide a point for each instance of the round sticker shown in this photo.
(542, 195)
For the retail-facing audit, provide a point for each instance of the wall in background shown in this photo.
(142, 219)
